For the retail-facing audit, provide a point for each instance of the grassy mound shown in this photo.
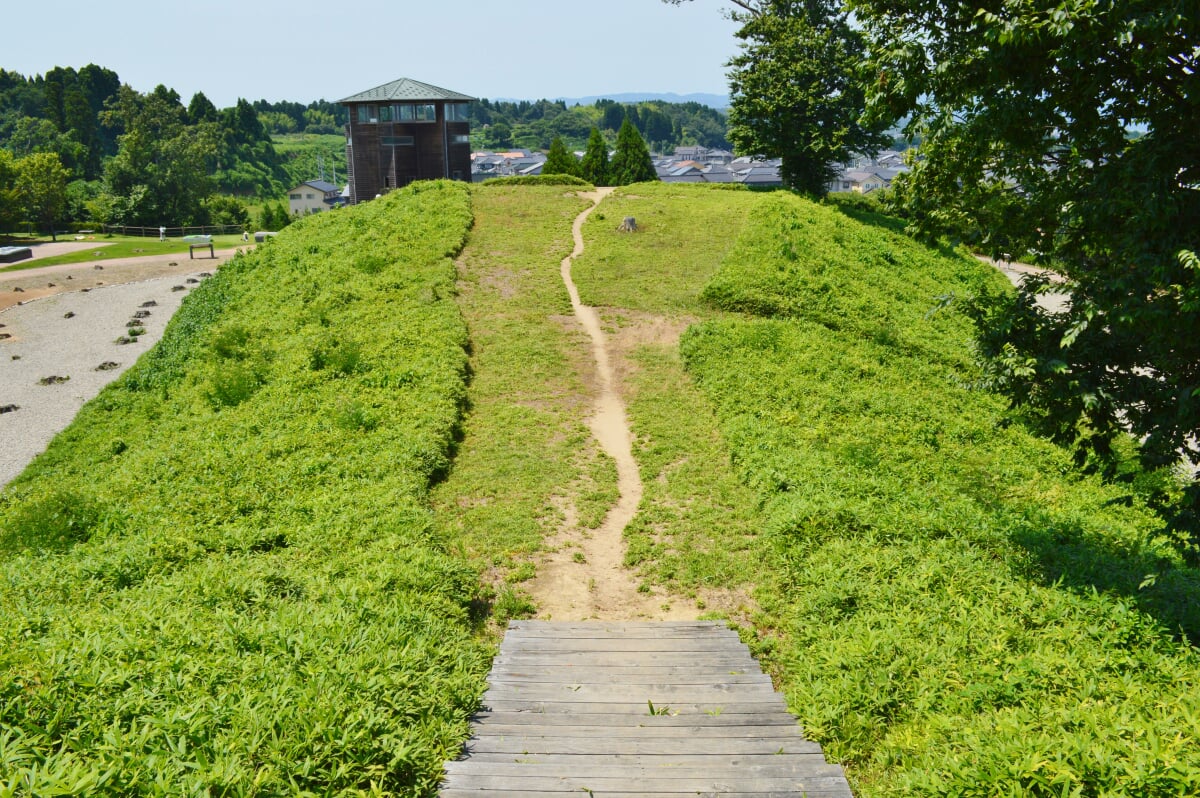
(223, 577)
(958, 611)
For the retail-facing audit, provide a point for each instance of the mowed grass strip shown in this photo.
(527, 464)
(952, 607)
(104, 248)
(224, 577)
(695, 530)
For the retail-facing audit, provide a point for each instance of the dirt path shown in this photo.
(587, 580)
(19, 287)
(1016, 272)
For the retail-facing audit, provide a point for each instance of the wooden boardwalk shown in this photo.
(629, 709)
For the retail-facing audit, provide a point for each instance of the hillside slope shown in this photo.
(222, 578)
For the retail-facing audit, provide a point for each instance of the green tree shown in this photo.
(201, 109)
(1025, 113)
(162, 161)
(794, 90)
(631, 161)
(42, 189)
(559, 161)
(594, 166)
(223, 209)
(10, 209)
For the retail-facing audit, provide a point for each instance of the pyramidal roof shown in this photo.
(406, 89)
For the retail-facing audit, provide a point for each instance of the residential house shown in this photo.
(313, 196)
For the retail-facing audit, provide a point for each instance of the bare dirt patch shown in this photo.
(36, 283)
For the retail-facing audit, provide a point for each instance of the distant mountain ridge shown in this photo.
(719, 101)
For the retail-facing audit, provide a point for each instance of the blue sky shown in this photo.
(303, 50)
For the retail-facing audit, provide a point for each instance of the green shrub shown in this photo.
(537, 180)
(55, 521)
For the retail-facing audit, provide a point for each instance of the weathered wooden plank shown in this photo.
(675, 676)
(592, 693)
(836, 792)
(534, 744)
(651, 730)
(668, 671)
(784, 767)
(676, 783)
(621, 659)
(679, 646)
(632, 707)
(571, 762)
(618, 627)
(721, 720)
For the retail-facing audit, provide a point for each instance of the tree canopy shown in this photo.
(631, 160)
(41, 188)
(795, 92)
(1065, 132)
(559, 161)
(594, 167)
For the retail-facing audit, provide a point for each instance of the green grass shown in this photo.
(224, 577)
(954, 609)
(526, 457)
(110, 248)
(696, 527)
(950, 607)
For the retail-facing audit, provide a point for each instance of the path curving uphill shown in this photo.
(603, 589)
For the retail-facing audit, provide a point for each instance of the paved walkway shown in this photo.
(625, 709)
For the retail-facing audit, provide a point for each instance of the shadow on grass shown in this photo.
(1154, 584)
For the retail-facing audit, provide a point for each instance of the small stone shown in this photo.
(205, 274)
(18, 290)
(172, 263)
(5, 336)
(86, 290)
(107, 365)
(191, 280)
(178, 288)
(98, 267)
(149, 304)
(8, 408)
(53, 379)
(141, 314)
(51, 285)
(70, 314)
(124, 339)
(135, 323)
(69, 277)
(16, 357)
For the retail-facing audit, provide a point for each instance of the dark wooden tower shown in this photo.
(404, 131)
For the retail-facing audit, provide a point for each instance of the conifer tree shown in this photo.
(631, 162)
(559, 161)
(594, 167)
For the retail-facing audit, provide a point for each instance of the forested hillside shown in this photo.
(104, 153)
(534, 125)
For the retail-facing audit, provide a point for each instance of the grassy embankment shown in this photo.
(224, 578)
(950, 607)
(113, 247)
(528, 465)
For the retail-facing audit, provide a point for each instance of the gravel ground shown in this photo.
(44, 343)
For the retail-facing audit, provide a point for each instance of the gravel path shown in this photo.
(72, 335)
